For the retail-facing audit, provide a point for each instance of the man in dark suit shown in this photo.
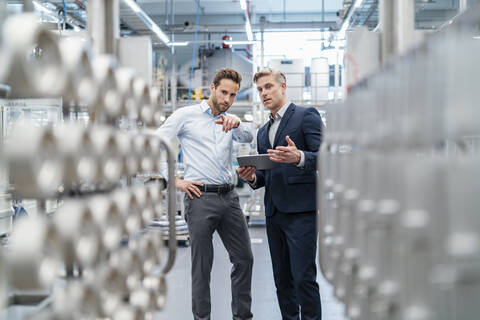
(291, 137)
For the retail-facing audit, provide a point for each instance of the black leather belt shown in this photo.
(217, 188)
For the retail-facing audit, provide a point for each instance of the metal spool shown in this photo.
(81, 87)
(109, 219)
(129, 206)
(34, 168)
(107, 153)
(110, 100)
(77, 151)
(34, 66)
(125, 81)
(129, 159)
(143, 97)
(35, 257)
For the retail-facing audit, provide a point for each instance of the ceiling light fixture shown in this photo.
(248, 29)
(148, 21)
(41, 8)
(232, 43)
(346, 21)
(243, 4)
(178, 44)
(248, 26)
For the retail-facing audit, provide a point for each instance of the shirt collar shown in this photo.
(282, 111)
(206, 108)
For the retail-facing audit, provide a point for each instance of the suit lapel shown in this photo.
(283, 123)
(263, 137)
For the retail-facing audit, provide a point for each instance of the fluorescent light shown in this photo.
(476, 37)
(357, 4)
(178, 44)
(132, 4)
(346, 21)
(148, 21)
(41, 8)
(232, 43)
(248, 27)
(243, 4)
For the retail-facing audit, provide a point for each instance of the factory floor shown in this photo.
(264, 305)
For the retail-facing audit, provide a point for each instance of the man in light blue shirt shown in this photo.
(206, 133)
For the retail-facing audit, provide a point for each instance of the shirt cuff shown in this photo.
(254, 183)
(301, 164)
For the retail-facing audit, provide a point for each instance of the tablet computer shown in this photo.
(259, 161)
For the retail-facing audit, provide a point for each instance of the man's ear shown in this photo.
(212, 87)
(284, 87)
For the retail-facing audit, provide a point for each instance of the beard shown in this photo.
(219, 107)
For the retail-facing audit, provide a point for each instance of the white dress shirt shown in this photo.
(274, 128)
(207, 150)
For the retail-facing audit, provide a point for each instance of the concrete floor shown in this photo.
(264, 306)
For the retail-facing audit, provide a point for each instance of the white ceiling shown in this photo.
(188, 7)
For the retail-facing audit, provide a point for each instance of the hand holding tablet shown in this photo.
(259, 161)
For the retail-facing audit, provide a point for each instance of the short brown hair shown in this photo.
(227, 73)
(277, 75)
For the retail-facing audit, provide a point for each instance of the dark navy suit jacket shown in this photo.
(288, 188)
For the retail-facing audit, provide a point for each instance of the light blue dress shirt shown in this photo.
(207, 150)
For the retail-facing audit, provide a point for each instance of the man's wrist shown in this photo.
(299, 157)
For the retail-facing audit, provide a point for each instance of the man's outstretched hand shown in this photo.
(288, 154)
(228, 122)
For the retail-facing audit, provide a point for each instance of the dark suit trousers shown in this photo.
(292, 239)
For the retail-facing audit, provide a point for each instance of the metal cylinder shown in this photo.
(125, 81)
(77, 152)
(34, 167)
(129, 206)
(109, 219)
(141, 149)
(157, 105)
(107, 153)
(129, 159)
(150, 248)
(108, 106)
(155, 191)
(35, 65)
(146, 299)
(146, 204)
(85, 300)
(131, 263)
(80, 236)
(34, 259)
(143, 97)
(157, 284)
(111, 283)
(81, 87)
